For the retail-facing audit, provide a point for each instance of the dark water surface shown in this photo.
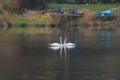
(28, 57)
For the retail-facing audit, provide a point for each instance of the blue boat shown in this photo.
(107, 13)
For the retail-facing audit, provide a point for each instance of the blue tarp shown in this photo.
(107, 13)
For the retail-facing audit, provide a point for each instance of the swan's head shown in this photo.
(60, 40)
(60, 37)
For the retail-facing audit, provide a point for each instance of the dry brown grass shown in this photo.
(88, 18)
(117, 14)
(5, 18)
(47, 17)
(30, 14)
(38, 15)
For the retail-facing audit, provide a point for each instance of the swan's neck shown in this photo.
(65, 41)
(61, 40)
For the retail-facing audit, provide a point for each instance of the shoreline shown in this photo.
(45, 19)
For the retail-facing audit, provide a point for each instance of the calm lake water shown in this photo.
(96, 56)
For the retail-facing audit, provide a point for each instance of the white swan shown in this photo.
(68, 44)
(56, 46)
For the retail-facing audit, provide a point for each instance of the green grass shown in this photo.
(93, 7)
(24, 25)
(20, 20)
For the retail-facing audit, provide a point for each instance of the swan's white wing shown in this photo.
(54, 44)
(70, 47)
(70, 44)
(55, 47)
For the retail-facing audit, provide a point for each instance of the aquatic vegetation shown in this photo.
(28, 30)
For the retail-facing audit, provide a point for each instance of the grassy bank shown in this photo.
(22, 23)
(19, 21)
(27, 30)
(92, 7)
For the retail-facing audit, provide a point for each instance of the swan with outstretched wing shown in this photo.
(68, 45)
(56, 44)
